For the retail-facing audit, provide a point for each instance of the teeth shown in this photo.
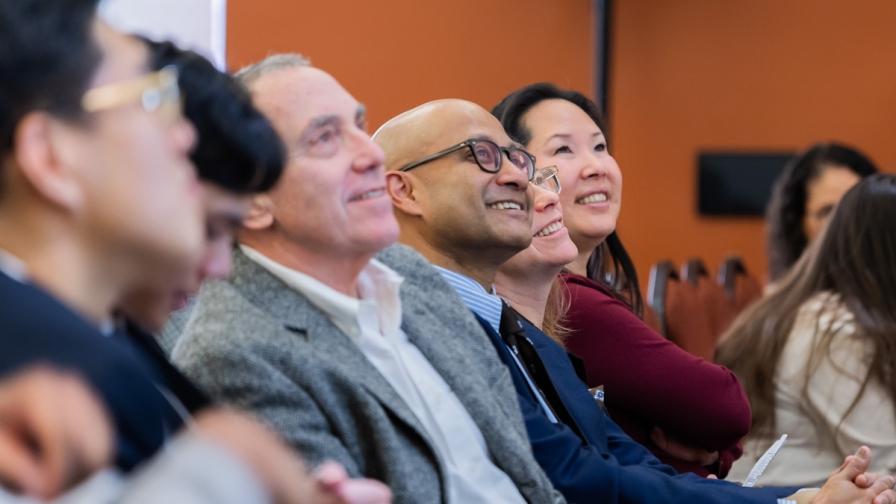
(553, 228)
(594, 198)
(505, 205)
(370, 194)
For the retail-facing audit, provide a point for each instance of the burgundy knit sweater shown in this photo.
(649, 381)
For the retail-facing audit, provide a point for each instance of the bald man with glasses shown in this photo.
(468, 213)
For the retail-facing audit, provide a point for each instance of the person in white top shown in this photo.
(817, 357)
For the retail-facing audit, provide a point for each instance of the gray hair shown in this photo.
(271, 64)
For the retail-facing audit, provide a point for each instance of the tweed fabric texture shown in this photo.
(255, 344)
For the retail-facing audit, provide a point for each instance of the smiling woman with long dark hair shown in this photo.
(688, 412)
(818, 356)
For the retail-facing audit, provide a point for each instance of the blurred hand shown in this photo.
(851, 484)
(275, 464)
(682, 451)
(54, 432)
(335, 481)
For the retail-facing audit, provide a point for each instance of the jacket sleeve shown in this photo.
(693, 401)
(242, 379)
(629, 474)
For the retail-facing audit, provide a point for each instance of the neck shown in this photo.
(586, 248)
(580, 265)
(527, 291)
(59, 260)
(337, 271)
(474, 265)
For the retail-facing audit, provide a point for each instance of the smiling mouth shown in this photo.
(505, 205)
(376, 193)
(549, 229)
(594, 198)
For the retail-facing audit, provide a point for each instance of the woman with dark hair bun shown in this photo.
(818, 355)
(805, 195)
(690, 413)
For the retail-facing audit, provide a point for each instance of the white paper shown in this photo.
(764, 461)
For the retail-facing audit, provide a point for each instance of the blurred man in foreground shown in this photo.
(98, 200)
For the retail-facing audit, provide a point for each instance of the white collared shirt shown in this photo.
(13, 267)
(373, 322)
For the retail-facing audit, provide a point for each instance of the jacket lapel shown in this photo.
(439, 345)
(331, 347)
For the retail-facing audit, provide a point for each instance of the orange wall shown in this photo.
(686, 75)
(758, 75)
(396, 54)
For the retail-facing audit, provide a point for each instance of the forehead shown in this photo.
(293, 97)
(468, 123)
(557, 113)
(123, 56)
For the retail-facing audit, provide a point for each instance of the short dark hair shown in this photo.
(47, 60)
(237, 148)
(610, 264)
(787, 206)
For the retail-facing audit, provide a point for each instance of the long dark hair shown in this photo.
(609, 264)
(852, 265)
(787, 207)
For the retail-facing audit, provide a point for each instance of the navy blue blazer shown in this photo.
(605, 465)
(37, 328)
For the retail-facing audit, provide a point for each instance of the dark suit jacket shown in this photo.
(606, 466)
(36, 328)
(165, 374)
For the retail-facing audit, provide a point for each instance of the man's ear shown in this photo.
(261, 215)
(405, 196)
(43, 152)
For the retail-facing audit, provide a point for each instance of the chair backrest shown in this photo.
(660, 275)
(651, 319)
(693, 270)
(692, 310)
(740, 287)
(689, 315)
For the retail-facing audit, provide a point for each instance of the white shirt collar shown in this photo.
(13, 267)
(378, 295)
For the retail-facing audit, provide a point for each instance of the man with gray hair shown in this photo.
(326, 344)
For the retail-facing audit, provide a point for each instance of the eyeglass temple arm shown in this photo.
(435, 156)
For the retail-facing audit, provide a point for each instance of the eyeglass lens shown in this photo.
(547, 179)
(521, 160)
(488, 155)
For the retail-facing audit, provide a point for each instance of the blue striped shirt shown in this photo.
(489, 306)
(485, 304)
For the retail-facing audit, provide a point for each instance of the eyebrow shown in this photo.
(318, 122)
(328, 120)
(567, 135)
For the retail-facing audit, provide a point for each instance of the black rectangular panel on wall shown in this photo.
(731, 183)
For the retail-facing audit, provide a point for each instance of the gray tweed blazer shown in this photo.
(256, 344)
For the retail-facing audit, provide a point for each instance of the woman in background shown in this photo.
(818, 356)
(688, 412)
(805, 195)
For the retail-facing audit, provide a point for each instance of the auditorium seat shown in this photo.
(692, 309)
(740, 288)
(683, 314)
